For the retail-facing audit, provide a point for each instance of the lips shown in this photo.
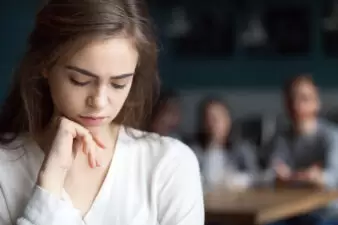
(92, 120)
(93, 117)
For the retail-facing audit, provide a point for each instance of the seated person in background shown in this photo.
(306, 152)
(166, 115)
(223, 161)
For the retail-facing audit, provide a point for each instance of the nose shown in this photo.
(99, 98)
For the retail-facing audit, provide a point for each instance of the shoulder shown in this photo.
(19, 158)
(18, 172)
(159, 145)
(327, 126)
(328, 131)
(12, 150)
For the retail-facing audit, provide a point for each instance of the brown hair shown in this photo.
(203, 135)
(289, 89)
(293, 81)
(62, 27)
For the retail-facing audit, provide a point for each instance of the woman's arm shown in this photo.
(4, 213)
(43, 208)
(180, 196)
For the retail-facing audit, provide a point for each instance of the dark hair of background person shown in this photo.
(202, 135)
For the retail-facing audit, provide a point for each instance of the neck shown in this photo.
(306, 126)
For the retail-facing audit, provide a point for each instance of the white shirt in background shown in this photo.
(219, 170)
(214, 166)
(151, 181)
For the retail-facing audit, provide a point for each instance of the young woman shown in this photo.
(71, 152)
(224, 160)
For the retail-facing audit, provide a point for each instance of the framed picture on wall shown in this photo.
(253, 38)
(288, 30)
(205, 33)
(329, 27)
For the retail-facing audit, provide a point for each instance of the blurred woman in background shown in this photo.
(305, 151)
(224, 161)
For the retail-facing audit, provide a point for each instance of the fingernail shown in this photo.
(102, 145)
(98, 164)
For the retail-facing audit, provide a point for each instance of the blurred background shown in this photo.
(241, 49)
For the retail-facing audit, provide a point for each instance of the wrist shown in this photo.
(52, 180)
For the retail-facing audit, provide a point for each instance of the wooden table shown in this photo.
(262, 206)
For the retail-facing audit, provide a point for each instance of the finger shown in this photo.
(98, 161)
(91, 159)
(98, 142)
(88, 140)
(81, 131)
(77, 144)
(278, 164)
(91, 151)
(90, 145)
(84, 146)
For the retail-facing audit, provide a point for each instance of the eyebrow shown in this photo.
(90, 74)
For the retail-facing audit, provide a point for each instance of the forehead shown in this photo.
(216, 107)
(304, 87)
(107, 57)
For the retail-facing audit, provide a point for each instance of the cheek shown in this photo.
(67, 100)
(209, 122)
(302, 106)
(222, 124)
(118, 98)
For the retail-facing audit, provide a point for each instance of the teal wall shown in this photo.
(16, 19)
(240, 71)
(237, 71)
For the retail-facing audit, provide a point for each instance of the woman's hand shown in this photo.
(313, 174)
(70, 138)
(283, 171)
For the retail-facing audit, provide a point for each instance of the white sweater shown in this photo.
(151, 181)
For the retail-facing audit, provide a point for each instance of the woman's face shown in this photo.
(305, 101)
(92, 86)
(217, 119)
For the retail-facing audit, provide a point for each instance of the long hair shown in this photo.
(203, 135)
(289, 87)
(63, 27)
(165, 96)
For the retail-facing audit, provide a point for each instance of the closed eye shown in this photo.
(78, 83)
(118, 86)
